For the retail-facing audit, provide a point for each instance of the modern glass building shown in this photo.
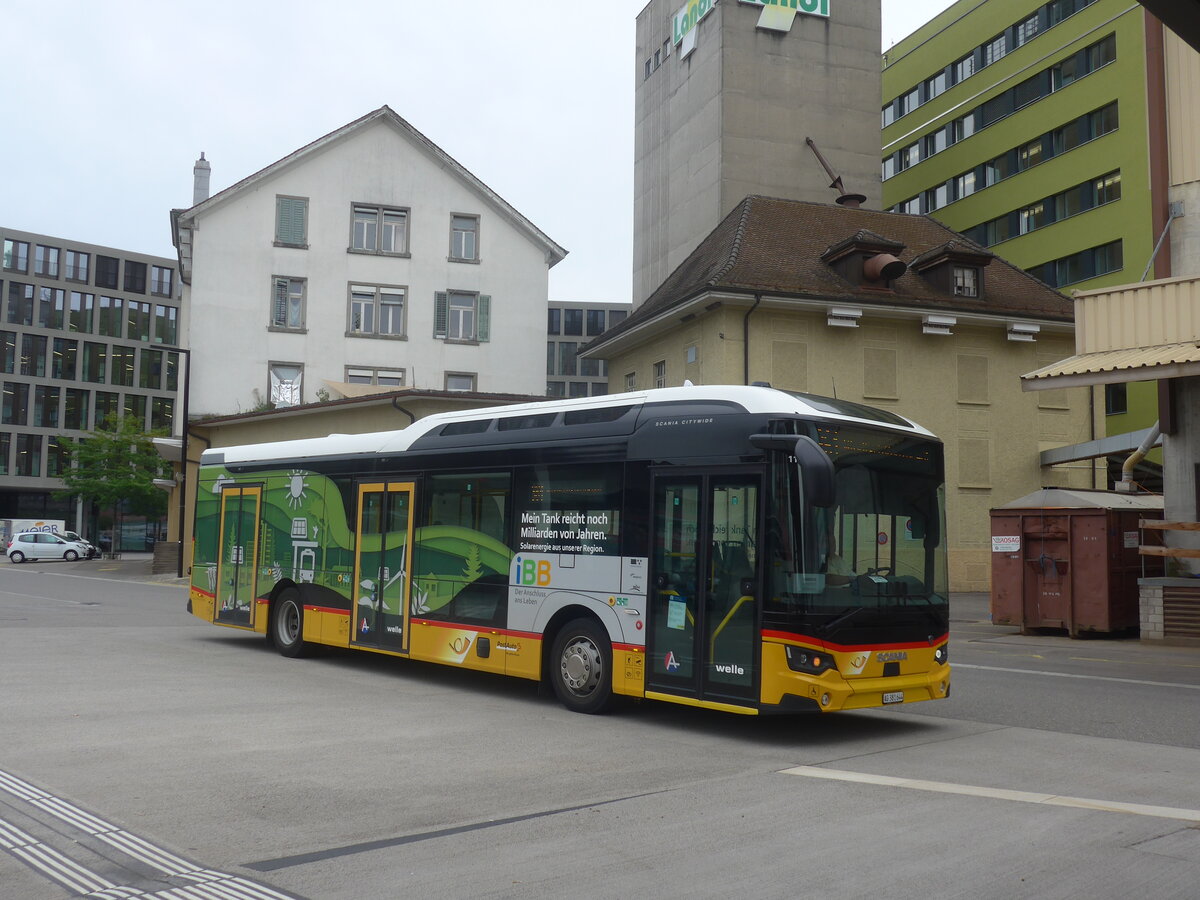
(569, 326)
(84, 338)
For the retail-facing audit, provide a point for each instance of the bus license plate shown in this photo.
(893, 697)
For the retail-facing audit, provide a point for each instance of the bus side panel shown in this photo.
(629, 670)
(202, 602)
(457, 645)
(329, 626)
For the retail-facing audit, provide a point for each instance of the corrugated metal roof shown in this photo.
(1067, 498)
(1137, 360)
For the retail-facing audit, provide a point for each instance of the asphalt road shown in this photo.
(143, 749)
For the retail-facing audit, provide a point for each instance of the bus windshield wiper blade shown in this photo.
(844, 617)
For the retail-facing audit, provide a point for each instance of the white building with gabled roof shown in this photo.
(367, 260)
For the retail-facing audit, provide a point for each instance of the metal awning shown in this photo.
(1117, 366)
(169, 448)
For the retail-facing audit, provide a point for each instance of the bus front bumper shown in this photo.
(830, 691)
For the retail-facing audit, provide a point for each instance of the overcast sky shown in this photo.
(108, 105)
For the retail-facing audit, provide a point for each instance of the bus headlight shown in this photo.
(941, 654)
(811, 662)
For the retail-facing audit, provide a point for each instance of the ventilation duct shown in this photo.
(938, 324)
(1020, 331)
(844, 317)
(883, 267)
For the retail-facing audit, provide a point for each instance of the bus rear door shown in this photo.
(705, 576)
(237, 555)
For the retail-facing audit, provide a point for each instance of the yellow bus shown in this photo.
(737, 548)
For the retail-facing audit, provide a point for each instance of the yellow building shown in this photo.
(895, 311)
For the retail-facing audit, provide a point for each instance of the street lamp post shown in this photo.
(183, 448)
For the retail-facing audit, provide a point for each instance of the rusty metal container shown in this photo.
(1068, 559)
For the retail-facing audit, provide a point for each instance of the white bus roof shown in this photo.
(752, 399)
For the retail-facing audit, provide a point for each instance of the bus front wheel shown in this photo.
(287, 624)
(581, 667)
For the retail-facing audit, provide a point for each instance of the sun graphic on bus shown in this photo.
(297, 490)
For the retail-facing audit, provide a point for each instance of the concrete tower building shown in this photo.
(726, 95)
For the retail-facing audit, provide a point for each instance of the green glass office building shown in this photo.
(1037, 129)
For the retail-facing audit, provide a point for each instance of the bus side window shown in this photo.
(476, 501)
(348, 490)
(461, 561)
(570, 509)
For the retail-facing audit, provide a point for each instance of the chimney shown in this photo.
(200, 175)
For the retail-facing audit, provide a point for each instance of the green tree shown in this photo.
(115, 467)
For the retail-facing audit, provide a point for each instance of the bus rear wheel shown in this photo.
(581, 667)
(287, 624)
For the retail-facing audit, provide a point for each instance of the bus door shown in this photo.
(237, 555)
(382, 562)
(705, 577)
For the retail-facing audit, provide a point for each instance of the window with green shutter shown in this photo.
(291, 219)
(441, 314)
(484, 320)
(462, 316)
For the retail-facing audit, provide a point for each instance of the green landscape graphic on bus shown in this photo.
(305, 535)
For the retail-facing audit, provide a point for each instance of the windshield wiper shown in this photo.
(844, 617)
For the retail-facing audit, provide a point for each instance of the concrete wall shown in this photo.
(821, 81)
(677, 136)
(1179, 473)
(964, 387)
(731, 120)
(235, 261)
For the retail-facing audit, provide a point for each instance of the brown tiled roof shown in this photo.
(775, 247)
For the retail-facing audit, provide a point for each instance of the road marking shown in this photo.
(1173, 684)
(198, 882)
(946, 787)
(1134, 662)
(49, 861)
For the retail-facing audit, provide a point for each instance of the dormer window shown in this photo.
(966, 281)
(866, 260)
(956, 268)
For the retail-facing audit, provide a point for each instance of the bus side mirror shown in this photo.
(816, 471)
(816, 468)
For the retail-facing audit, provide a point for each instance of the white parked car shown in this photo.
(92, 550)
(45, 545)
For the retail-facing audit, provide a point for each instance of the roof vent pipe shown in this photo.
(851, 201)
(1126, 485)
(883, 267)
(200, 176)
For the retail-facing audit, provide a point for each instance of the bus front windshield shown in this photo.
(878, 552)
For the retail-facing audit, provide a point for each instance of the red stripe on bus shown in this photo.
(479, 629)
(204, 593)
(850, 648)
(330, 610)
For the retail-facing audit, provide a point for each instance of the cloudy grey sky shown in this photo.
(108, 104)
